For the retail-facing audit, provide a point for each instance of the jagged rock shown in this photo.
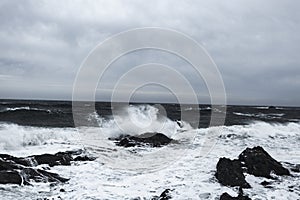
(230, 173)
(38, 175)
(14, 170)
(60, 158)
(151, 139)
(259, 163)
(226, 196)
(165, 195)
(84, 158)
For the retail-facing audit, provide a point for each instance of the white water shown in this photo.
(24, 108)
(191, 175)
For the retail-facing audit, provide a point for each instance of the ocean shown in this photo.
(31, 127)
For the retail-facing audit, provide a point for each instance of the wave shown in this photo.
(268, 107)
(13, 136)
(138, 119)
(261, 115)
(27, 108)
(208, 108)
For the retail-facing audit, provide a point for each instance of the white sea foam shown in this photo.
(135, 120)
(261, 115)
(191, 176)
(16, 137)
(25, 108)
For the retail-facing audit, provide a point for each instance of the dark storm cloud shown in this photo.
(254, 43)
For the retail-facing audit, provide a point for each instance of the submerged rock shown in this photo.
(230, 173)
(259, 163)
(151, 139)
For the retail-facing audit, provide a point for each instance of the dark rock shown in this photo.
(230, 173)
(265, 183)
(226, 196)
(84, 158)
(10, 177)
(259, 163)
(52, 177)
(296, 169)
(271, 107)
(151, 139)
(59, 158)
(38, 175)
(165, 195)
(14, 170)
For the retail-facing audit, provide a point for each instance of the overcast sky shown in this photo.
(255, 44)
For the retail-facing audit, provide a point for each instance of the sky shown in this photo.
(254, 43)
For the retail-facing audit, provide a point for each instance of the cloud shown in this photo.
(254, 43)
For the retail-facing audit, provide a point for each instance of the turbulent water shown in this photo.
(36, 127)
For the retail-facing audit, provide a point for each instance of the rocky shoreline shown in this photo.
(230, 173)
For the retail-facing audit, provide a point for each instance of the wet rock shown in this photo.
(259, 163)
(226, 196)
(271, 107)
(10, 177)
(230, 173)
(84, 158)
(165, 195)
(22, 171)
(151, 139)
(38, 175)
(60, 158)
(296, 168)
(266, 184)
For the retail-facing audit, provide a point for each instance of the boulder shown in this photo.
(259, 163)
(230, 173)
(60, 158)
(151, 139)
(10, 177)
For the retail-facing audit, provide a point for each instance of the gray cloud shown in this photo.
(254, 43)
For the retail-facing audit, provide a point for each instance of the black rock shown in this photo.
(296, 168)
(84, 158)
(230, 173)
(259, 163)
(265, 183)
(14, 170)
(165, 195)
(60, 158)
(10, 177)
(271, 107)
(38, 175)
(151, 139)
(226, 196)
